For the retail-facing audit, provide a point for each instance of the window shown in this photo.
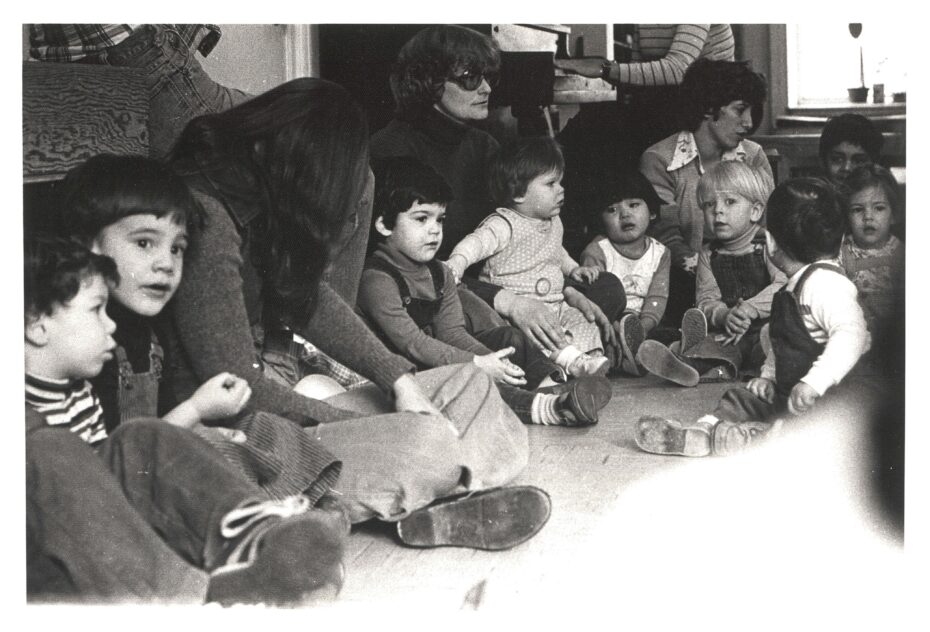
(823, 61)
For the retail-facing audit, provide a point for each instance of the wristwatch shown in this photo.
(605, 69)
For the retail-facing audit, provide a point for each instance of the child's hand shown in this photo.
(802, 398)
(585, 274)
(739, 318)
(689, 264)
(223, 395)
(762, 388)
(500, 368)
(456, 264)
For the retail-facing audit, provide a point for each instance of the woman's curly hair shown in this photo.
(709, 85)
(426, 60)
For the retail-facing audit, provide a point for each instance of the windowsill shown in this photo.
(817, 114)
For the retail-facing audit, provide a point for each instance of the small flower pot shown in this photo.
(858, 95)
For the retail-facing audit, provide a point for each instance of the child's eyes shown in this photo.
(178, 250)
(144, 243)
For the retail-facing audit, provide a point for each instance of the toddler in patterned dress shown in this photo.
(521, 246)
(874, 258)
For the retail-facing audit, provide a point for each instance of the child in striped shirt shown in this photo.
(151, 512)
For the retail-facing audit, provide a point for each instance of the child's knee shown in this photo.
(318, 387)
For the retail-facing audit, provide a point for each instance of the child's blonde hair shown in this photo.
(753, 184)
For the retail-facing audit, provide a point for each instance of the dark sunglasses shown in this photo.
(471, 79)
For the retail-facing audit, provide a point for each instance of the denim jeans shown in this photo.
(136, 520)
(179, 88)
(394, 463)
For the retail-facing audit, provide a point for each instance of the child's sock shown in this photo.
(544, 410)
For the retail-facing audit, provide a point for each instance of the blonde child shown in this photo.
(641, 263)
(521, 245)
(735, 283)
(815, 336)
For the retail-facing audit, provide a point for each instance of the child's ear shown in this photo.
(381, 228)
(36, 331)
(519, 200)
(95, 246)
(755, 214)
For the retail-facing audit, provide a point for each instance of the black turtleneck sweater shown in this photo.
(458, 152)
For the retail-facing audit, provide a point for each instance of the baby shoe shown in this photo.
(659, 360)
(630, 334)
(693, 328)
(491, 520)
(278, 552)
(670, 437)
(580, 399)
(731, 437)
(586, 364)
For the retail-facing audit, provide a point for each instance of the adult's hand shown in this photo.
(533, 318)
(592, 312)
(584, 67)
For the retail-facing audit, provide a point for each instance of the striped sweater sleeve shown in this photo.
(686, 44)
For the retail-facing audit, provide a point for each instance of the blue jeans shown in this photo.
(179, 89)
(136, 520)
(394, 463)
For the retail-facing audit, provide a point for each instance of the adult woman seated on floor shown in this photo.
(442, 83)
(286, 189)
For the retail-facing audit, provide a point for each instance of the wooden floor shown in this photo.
(607, 498)
(583, 470)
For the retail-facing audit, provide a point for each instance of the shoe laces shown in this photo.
(252, 521)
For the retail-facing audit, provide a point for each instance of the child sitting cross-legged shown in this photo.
(139, 213)
(521, 246)
(815, 336)
(149, 512)
(629, 206)
(410, 300)
(735, 284)
(874, 258)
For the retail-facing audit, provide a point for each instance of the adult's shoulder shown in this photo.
(393, 139)
(660, 152)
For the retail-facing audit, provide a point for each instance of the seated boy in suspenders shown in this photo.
(409, 299)
(815, 336)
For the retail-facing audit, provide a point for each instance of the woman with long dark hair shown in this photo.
(286, 189)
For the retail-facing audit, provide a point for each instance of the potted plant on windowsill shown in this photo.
(860, 94)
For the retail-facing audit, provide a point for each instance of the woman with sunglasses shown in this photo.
(442, 82)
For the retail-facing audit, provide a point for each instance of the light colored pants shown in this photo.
(394, 463)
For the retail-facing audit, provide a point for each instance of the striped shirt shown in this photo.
(70, 42)
(663, 52)
(70, 404)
